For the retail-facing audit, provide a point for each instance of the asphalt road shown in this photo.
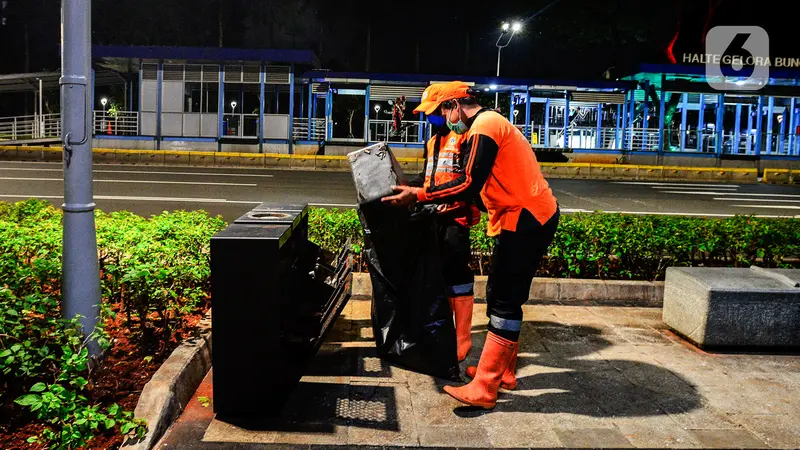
(231, 192)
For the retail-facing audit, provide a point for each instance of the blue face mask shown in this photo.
(436, 121)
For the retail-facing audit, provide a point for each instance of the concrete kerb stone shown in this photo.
(225, 159)
(153, 158)
(331, 163)
(127, 156)
(252, 160)
(561, 291)
(202, 159)
(52, 154)
(177, 158)
(166, 394)
(277, 161)
(778, 176)
(301, 162)
(30, 154)
(9, 153)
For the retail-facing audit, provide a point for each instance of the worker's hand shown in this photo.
(405, 196)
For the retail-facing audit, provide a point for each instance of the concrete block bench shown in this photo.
(734, 307)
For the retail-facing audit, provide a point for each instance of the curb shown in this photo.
(166, 394)
(334, 163)
(561, 291)
(781, 176)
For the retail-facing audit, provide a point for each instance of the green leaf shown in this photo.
(110, 423)
(38, 387)
(32, 440)
(113, 409)
(28, 400)
(126, 428)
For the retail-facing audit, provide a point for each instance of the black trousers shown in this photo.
(456, 254)
(515, 260)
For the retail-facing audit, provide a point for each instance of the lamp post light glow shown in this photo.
(504, 29)
(104, 102)
(233, 106)
(377, 109)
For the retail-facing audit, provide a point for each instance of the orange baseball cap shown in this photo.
(435, 94)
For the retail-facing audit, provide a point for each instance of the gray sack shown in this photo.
(375, 170)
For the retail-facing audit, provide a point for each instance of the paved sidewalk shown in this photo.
(589, 376)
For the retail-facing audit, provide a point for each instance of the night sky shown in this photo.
(573, 39)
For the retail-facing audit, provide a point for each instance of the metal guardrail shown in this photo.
(30, 127)
(308, 129)
(381, 130)
(119, 123)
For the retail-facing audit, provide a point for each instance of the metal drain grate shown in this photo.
(364, 410)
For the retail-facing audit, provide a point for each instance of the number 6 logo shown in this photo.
(738, 53)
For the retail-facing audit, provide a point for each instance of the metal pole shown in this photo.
(759, 125)
(497, 94)
(81, 277)
(291, 109)
(41, 109)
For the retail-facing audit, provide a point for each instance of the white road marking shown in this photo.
(193, 183)
(149, 172)
(644, 213)
(684, 188)
(654, 183)
(766, 206)
(141, 199)
(770, 200)
(747, 194)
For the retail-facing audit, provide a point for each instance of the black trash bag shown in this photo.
(411, 317)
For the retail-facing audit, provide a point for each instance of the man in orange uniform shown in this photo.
(499, 166)
(442, 160)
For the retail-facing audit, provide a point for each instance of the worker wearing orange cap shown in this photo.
(442, 159)
(499, 166)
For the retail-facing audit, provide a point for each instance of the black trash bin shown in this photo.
(275, 295)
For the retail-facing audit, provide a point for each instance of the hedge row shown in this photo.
(617, 246)
(153, 272)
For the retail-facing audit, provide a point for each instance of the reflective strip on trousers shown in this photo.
(505, 324)
(460, 289)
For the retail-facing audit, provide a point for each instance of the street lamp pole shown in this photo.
(80, 282)
(503, 30)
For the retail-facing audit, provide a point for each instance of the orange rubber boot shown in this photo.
(509, 380)
(462, 309)
(482, 390)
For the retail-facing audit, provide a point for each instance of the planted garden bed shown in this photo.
(155, 285)
(155, 280)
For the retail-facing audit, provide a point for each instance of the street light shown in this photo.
(103, 102)
(233, 106)
(515, 27)
(377, 109)
(516, 112)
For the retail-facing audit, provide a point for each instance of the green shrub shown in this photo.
(153, 270)
(617, 246)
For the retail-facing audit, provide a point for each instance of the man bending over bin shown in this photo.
(442, 166)
(499, 166)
